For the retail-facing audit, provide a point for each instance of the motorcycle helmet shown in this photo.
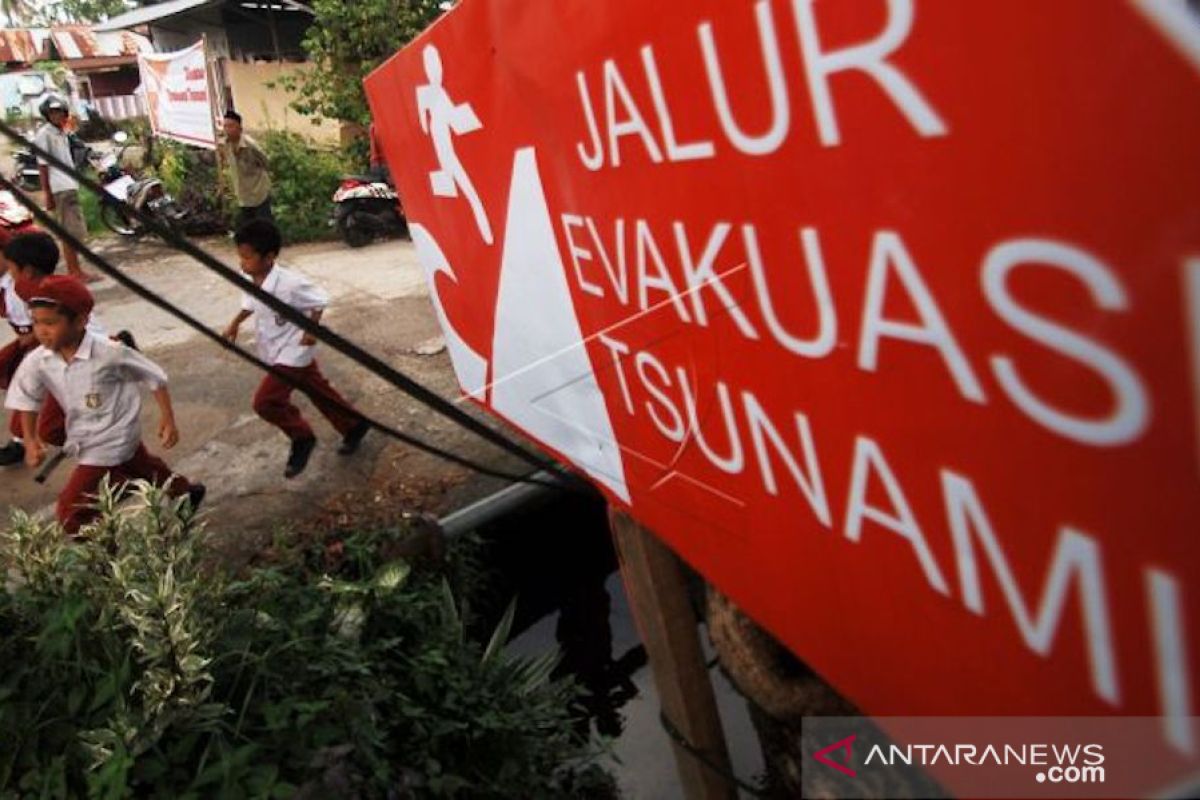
(52, 102)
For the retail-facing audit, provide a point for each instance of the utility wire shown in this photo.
(150, 296)
(337, 342)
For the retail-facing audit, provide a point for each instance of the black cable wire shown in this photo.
(725, 775)
(146, 294)
(337, 342)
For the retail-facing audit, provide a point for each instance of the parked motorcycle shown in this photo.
(365, 208)
(26, 172)
(145, 194)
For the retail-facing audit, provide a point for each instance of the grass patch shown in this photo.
(90, 205)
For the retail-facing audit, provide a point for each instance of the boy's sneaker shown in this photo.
(298, 458)
(196, 495)
(353, 438)
(126, 338)
(12, 453)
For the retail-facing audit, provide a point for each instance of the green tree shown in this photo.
(346, 42)
(39, 13)
(18, 12)
(85, 11)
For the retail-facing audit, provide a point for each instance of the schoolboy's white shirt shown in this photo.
(100, 392)
(15, 309)
(278, 340)
(95, 327)
(54, 141)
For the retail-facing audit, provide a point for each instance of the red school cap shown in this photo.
(64, 291)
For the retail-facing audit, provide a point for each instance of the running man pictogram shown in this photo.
(442, 120)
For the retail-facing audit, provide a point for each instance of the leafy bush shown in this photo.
(178, 164)
(303, 180)
(89, 204)
(189, 174)
(304, 177)
(132, 669)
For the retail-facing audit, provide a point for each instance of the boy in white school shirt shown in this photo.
(29, 258)
(98, 383)
(289, 349)
(16, 313)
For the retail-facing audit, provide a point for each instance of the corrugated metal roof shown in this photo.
(23, 45)
(81, 41)
(70, 43)
(142, 16)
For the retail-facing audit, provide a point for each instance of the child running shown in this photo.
(29, 258)
(97, 382)
(15, 312)
(289, 349)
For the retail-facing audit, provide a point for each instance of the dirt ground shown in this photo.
(379, 301)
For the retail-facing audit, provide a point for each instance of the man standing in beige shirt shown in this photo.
(248, 166)
(60, 189)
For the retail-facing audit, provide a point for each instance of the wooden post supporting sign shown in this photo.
(655, 585)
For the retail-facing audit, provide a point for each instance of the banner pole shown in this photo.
(214, 97)
(216, 110)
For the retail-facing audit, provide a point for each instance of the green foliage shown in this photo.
(304, 177)
(20, 12)
(133, 670)
(346, 42)
(89, 204)
(357, 151)
(32, 13)
(178, 165)
(190, 175)
(86, 11)
(102, 646)
(303, 180)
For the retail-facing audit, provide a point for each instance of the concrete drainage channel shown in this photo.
(553, 551)
(495, 506)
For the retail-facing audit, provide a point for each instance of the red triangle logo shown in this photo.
(844, 744)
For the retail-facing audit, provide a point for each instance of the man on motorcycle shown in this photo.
(60, 189)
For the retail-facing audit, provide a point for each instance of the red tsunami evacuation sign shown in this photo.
(884, 314)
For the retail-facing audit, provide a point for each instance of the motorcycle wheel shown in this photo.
(399, 225)
(116, 221)
(173, 225)
(356, 235)
(173, 219)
